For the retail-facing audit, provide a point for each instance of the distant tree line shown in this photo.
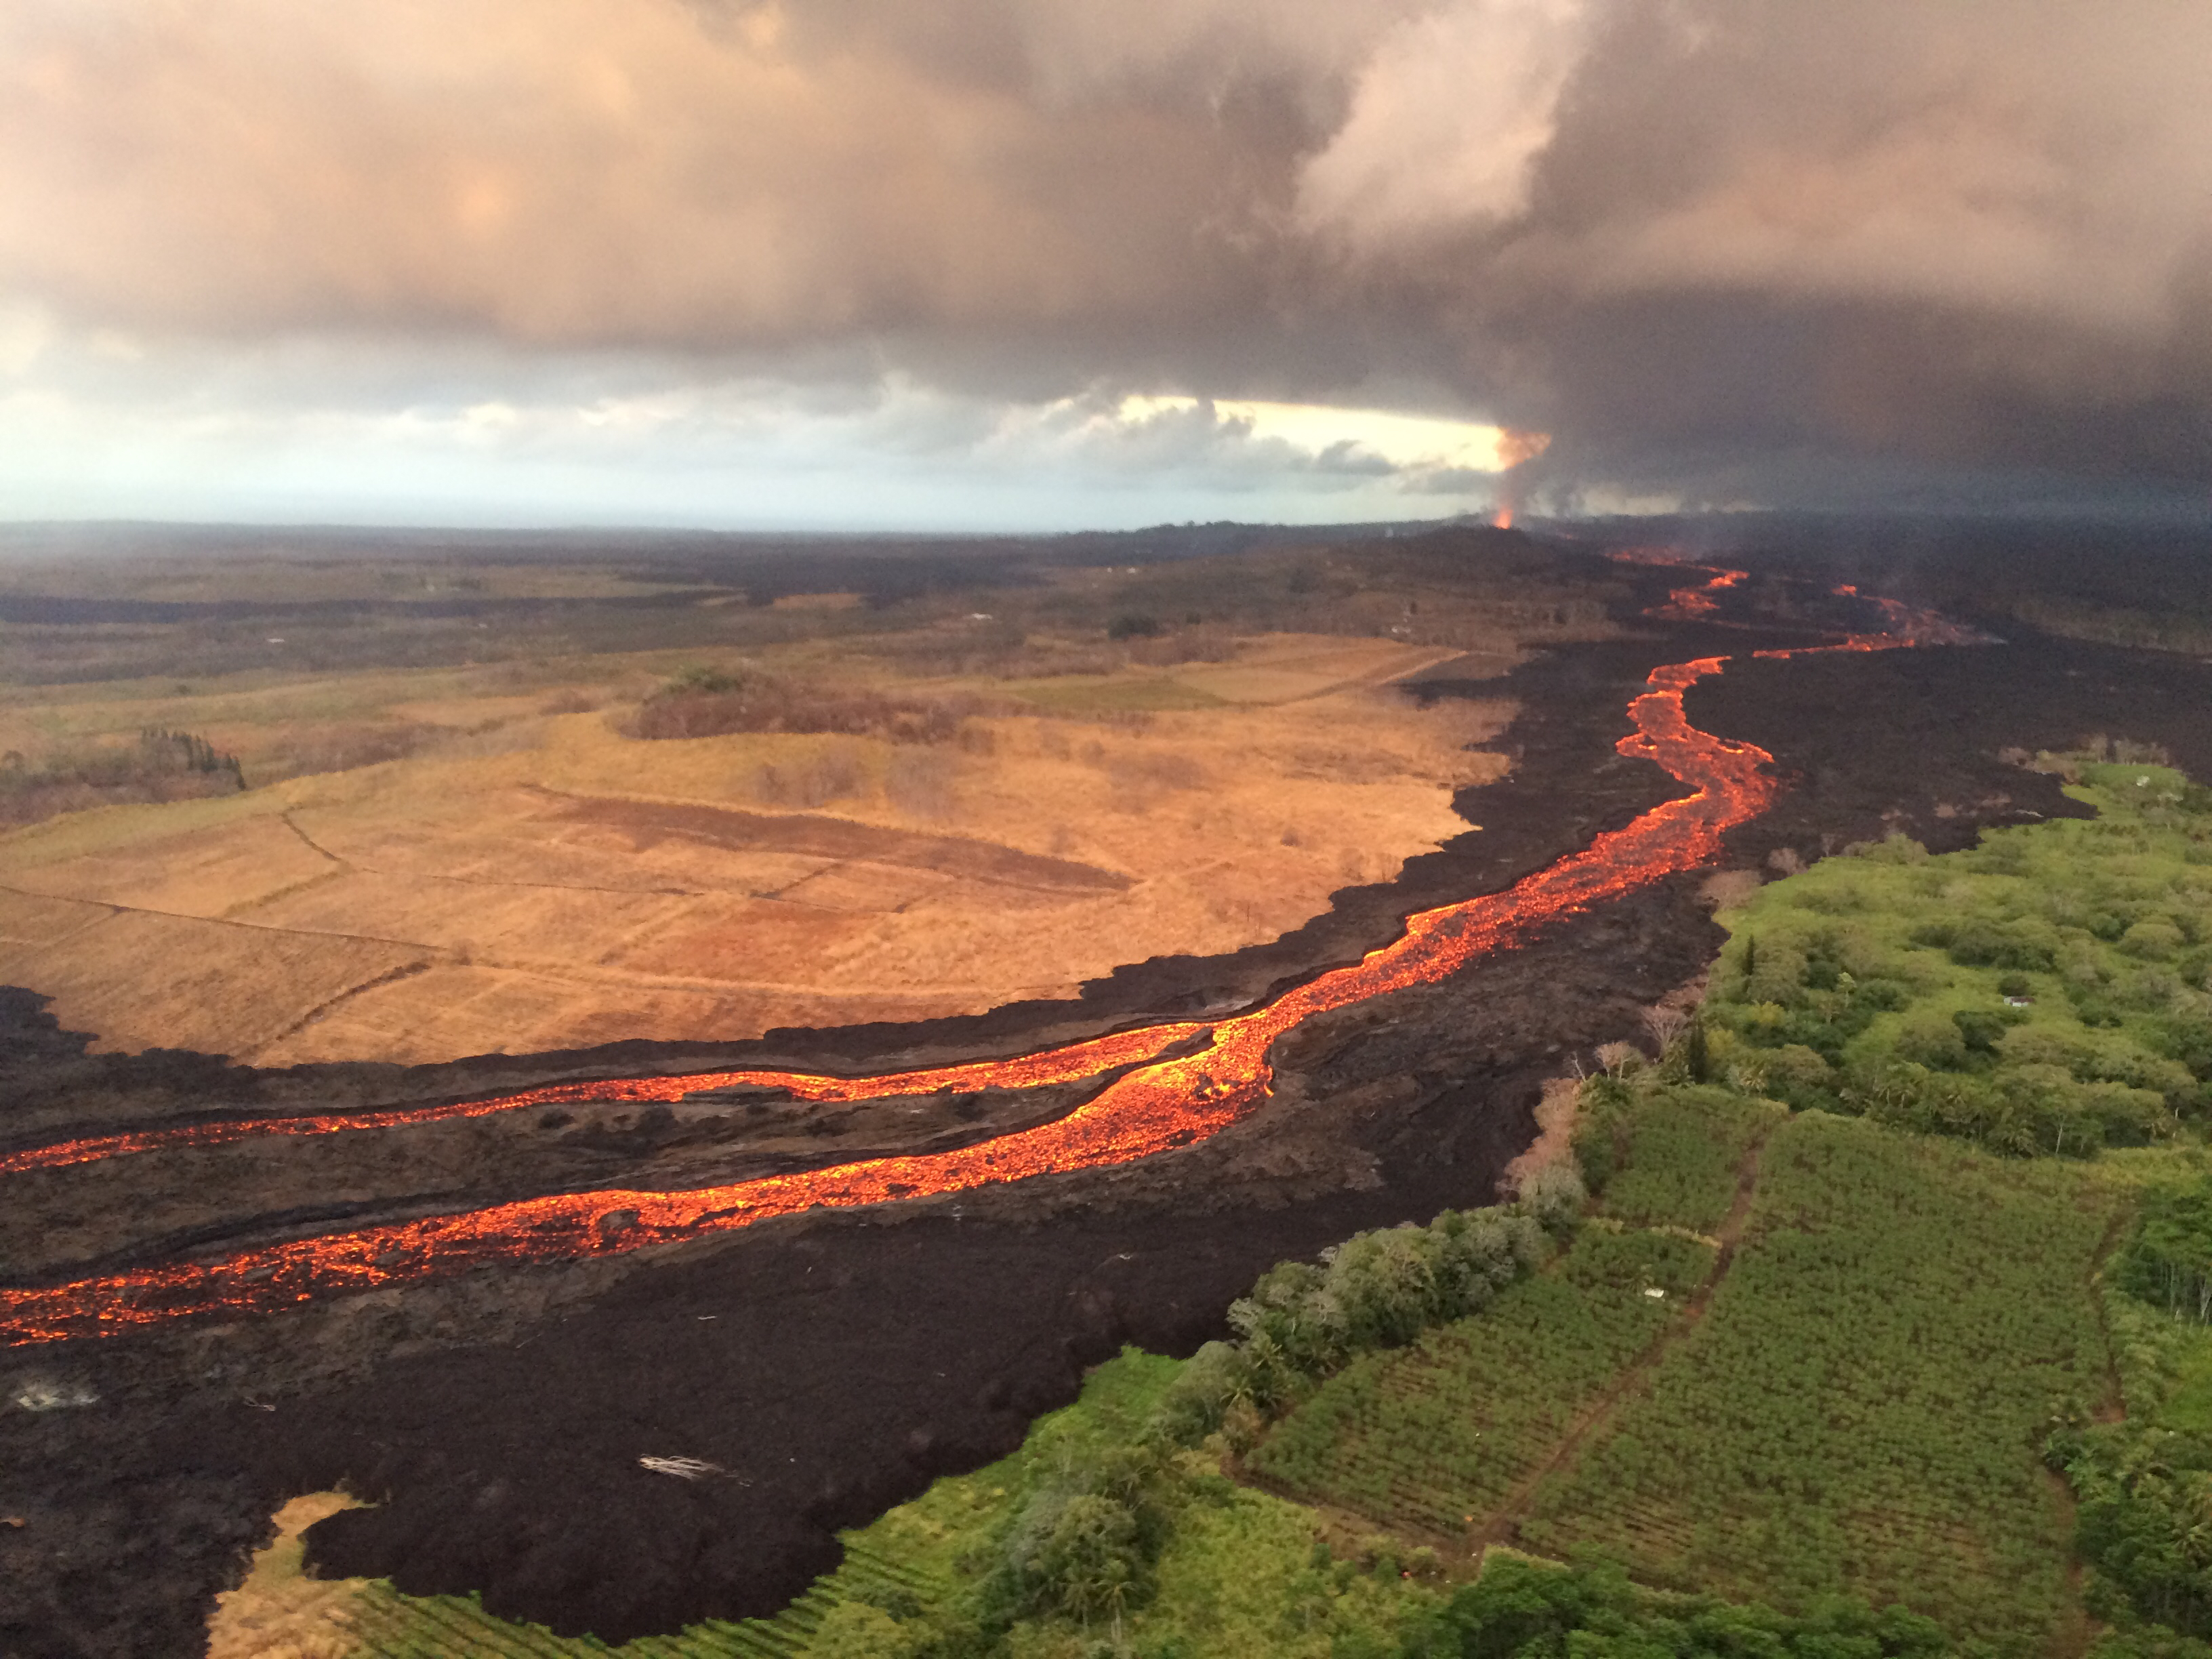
(161, 766)
(711, 702)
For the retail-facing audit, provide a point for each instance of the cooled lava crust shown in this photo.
(833, 1363)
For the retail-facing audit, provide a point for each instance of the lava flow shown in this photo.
(1070, 1064)
(1684, 604)
(1162, 1101)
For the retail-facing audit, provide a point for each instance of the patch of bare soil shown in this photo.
(280, 1612)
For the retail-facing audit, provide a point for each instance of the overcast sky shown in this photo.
(1014, 263)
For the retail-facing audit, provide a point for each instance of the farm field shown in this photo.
(541, 880)
(1677, 1159)
(1859, 1411)
(1432, 1440)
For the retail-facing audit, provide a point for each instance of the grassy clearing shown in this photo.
(1859, 1411)
(1087, 694)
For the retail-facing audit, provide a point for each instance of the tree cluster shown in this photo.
(704, 703)
(1380, 1290)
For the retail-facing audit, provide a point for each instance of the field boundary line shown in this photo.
(389, 977)
(1503, 1524)
(119, 908)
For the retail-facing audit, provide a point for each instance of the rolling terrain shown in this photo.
(439, 1400)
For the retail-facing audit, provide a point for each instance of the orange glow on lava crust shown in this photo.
(1161, 1100)
(1160, 1105)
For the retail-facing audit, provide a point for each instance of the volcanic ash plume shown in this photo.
(1515, 450)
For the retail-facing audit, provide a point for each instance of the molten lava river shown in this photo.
(1177, 1083)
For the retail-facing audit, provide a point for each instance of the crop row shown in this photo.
(388, 1625)
(1436, 1435)
(1671, 1158)
(1859, 1411)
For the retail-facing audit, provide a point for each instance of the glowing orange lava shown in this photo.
(1684, 604)
(1161, 1099)
(1072, 1064)
(1159, 1104)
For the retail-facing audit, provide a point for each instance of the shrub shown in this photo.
(1519, 1606)
(1980, 1029)
(1926, 1038)
(1982, 942)
(2156, 939)
(1801, 1077)
(2141, 1494)
(1893, 849)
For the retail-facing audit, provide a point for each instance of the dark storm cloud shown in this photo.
(1722, 246)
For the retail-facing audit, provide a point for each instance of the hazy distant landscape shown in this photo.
(836, 831)
(502, 842)
(1035, 772)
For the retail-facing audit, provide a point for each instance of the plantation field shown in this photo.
(1678, 1158)
(1859, 1411)
(1433, 1438)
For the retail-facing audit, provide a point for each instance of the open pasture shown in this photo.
(532, 880)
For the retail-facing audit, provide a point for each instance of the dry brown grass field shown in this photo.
(524, 875)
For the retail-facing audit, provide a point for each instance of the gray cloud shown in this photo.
(1724, 248)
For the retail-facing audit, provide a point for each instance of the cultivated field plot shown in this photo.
(1860, 1408)
(1434, 1438)
(1684, 1153)
(534, 876)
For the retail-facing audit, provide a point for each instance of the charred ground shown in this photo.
(834, 1364)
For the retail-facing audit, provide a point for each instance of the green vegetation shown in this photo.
(1867, 1261)
(1593, 1612)
(1858, 1413)
(2042, 994)
(2144, 1482)
(1673, 1157)
(1434, 1437)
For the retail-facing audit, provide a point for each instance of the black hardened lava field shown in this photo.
(836, 1357)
